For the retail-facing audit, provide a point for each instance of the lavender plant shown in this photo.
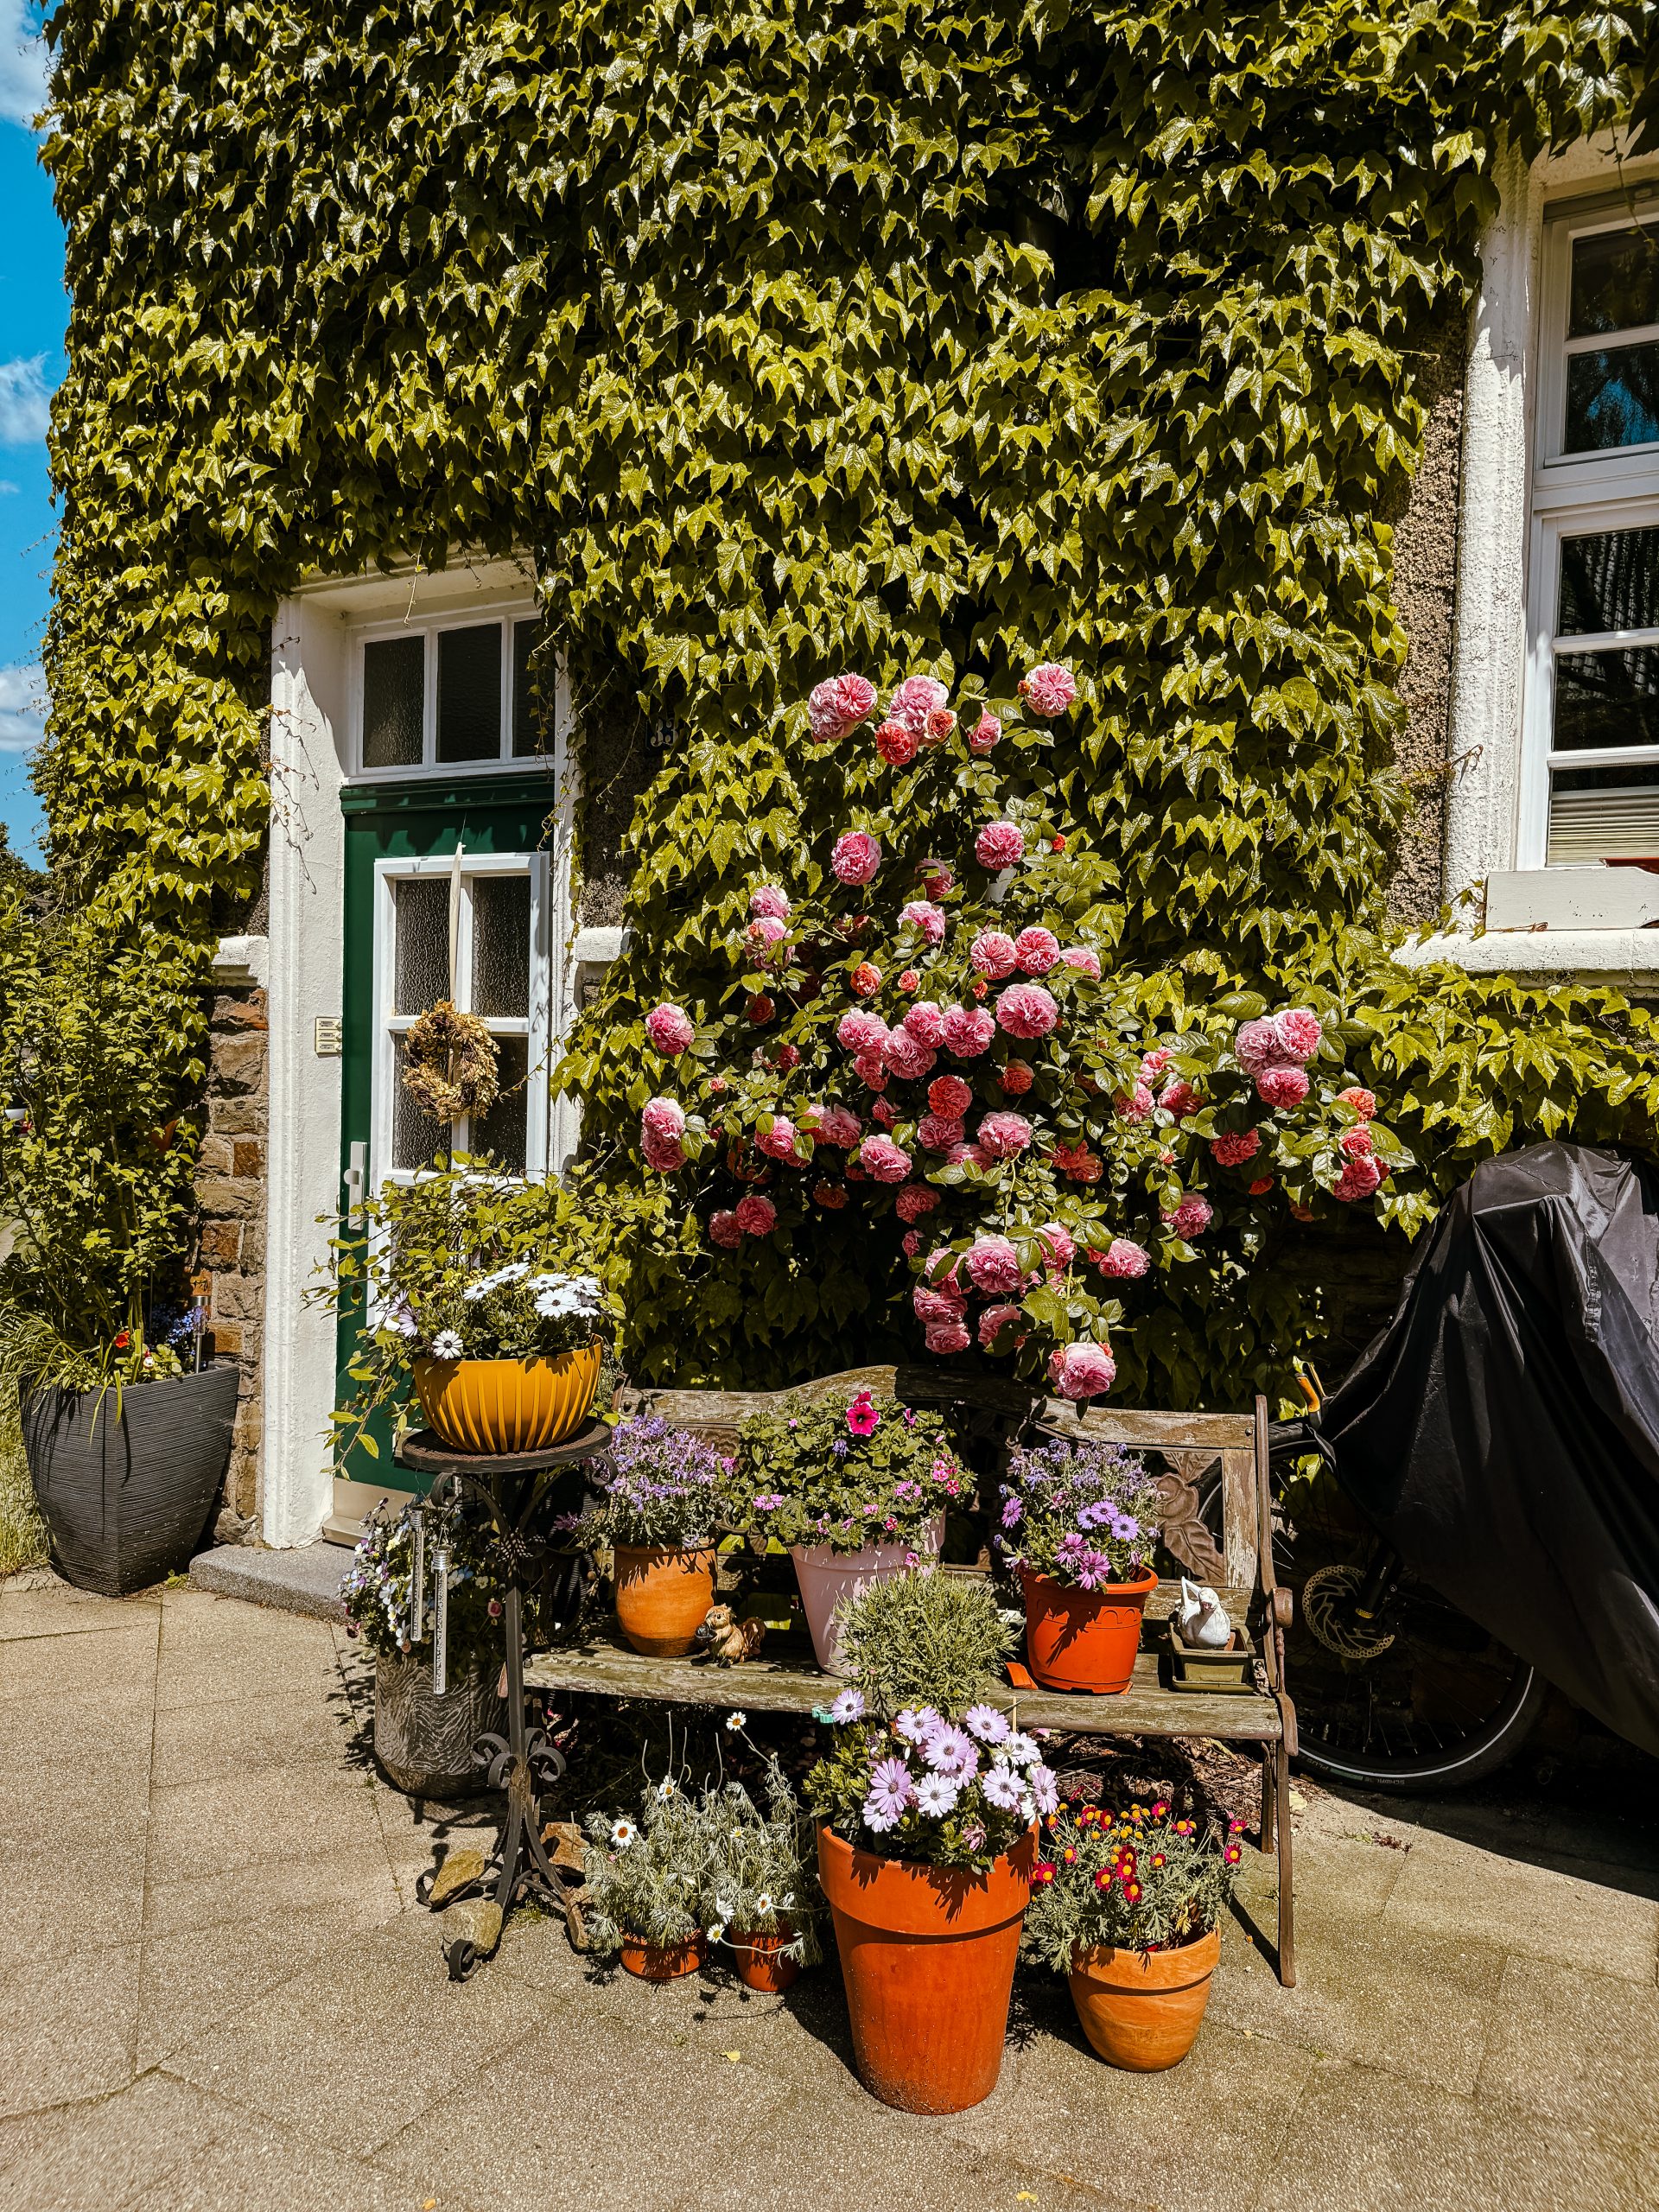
(662, 1486)
(1142, 1880)
(1081, 1512)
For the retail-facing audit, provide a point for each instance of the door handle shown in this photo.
(357, 1175)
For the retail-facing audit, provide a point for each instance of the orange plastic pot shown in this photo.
(508, 1405)
(663, 1962)
(662, 1596)
(927, 1957)
(1084, 1639)
(1140, 2010)
(758, 1963)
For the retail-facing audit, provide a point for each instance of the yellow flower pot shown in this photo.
(508, 1405)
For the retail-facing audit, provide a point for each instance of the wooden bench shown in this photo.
(991, 1414)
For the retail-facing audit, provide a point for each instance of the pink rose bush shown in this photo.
(940, 1050)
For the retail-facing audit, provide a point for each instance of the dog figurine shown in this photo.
(727, 1640)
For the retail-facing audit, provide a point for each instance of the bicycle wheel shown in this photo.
(1421, 1700)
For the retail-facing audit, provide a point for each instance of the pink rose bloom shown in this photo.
(934, 1133)
(880, 1158)
(769, 901)
(1363, 1102)
(993, 1265)
(1056, 1243)
(946, 1337)
(1191, 1218)
(907, 1057)
(1359, 1179)
(662, 1124)
(925, 1023)
(838, 705)
(911, 1240)
(1000, 845)
(985, 733)
(862, 1030)
(922, 914)
(1257, 1046)
(1079, 1371)
(838, 1126)
(992, 953)
(996, 1317)
(1357, 1142)
(726, 1229)
(1016, 1078)
(871, 1069)
(765, 931)
(939, 728)
(1299, 1034)
(913, 1201)
(865, 979)
(1026, 1010)
(934, 1304)
(756, 1217)
(1135, 1105)
(917, 697)
(669, 1028)
(897, 744)
(1153, 1064)
(1282, 1087)
(779, 1141)
(1003, 1135)
(1078, 1162)
(1234, 1147)
(1036, 950)
(909, 980)
(856, 856)
(1124, 1259)
(884, 1112)
(968, 1031)
(1048, 690)
(936, 879)
(1178, 1098)
(1086, 962)
(950, 1096)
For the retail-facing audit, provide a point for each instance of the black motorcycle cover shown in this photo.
(1502, 1432)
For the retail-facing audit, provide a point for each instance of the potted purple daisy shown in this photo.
(1079, 1522)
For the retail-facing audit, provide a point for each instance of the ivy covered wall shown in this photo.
(793, 337)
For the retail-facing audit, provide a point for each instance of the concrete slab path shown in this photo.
(218, 1994)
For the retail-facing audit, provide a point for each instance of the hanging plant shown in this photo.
(451, 1065)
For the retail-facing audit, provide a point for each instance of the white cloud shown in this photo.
(23, 64)
(23, 706)
(24, 399)
(8, 489)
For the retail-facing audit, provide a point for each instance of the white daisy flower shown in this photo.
(724, 1909)
(737, 1719)
(716, 1934)
(763, 1903)
(668, 1787)
(623, 1832)
(447, 1345)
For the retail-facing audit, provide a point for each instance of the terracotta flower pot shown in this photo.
(508, 1405)
(1084, 1639)
(757, 1962)
(662, 1595)
(1140, 2009)
(663, 1962)
(827, 1576)
(927, 1955)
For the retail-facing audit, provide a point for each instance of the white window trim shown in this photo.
(501, 614)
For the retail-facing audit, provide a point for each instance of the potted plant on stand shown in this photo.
(1078, 1522)
(1129, 1908)
(854, 1492)
(662, 1488)
(928, 1801)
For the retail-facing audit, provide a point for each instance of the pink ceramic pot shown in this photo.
(826, 1577)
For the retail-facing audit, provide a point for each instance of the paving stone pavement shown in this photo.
(217, 1991)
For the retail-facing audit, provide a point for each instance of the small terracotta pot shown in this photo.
(663, 1962)
(1140, 2009)
(827, 1576)
(1084, 1639)
(757, 1962)
(927, 1955)
(508, 1405)
(662, 1595)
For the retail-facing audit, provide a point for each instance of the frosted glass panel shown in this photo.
(416, 1137)
(469, 694)
(523, 721)
(394, 702)
(423, 964)
(501, 1131)
(501, 944)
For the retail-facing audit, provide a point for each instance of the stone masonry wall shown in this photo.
(230, 1194)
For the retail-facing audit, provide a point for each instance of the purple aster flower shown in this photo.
(1002, 1787)
(1040, 1782)
(973, 1834)
(917, 1723)
(987, 1723)
(952, 1752)
(841, 1447)
(850, 1706)
(936, 1795)
(1012, 1512)
(891, 1791)
(1126, 1527)
(768, 1501)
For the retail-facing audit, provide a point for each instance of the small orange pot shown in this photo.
(1084, 1639)
(1140, 2009)
(757, 1963)
(662, 1596)
(663, 1962)
(508, 1405)
(927, 1955)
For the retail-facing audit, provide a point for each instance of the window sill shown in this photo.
(1627, 959)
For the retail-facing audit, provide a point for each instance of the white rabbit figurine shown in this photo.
(1200, 1623)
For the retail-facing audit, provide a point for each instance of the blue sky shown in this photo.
(33, 312)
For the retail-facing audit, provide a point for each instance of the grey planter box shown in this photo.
(424, 1744)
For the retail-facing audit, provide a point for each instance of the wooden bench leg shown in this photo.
(1287, 1879)
(1268, 1794)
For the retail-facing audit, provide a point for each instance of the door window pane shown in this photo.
(416, 1137)
(501, 1131)
(1613, 398)
(1615, 281)
(1607, 699)
(501, 944)
(523, 722)
(469, 694)
(394, 702)
(1610, 581)
(423, 962)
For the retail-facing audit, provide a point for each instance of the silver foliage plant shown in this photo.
(929, 1638)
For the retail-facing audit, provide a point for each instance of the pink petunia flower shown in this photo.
(950, 1096)
(1124, 1259)
(1000, 845)
(1086, 962)
(838, 705)
(916, 698)
(725, 1229)
(1234, 1147)
(1048, 690)
(1004, 1135)
(922, 914)
(1282, 1087)
(968, 1031)
(992, 953)
(862, 1419)
(669, 1028)
(1026, 1010)
(914, 1201)
(856, 857)
(993, 1265)
(984, 733)
(1081, 1371)
(925, 1023)
(756, 1217)
(770, 900)
(1036, 950)
(882, 1158)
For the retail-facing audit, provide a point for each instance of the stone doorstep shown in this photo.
(304, 1581)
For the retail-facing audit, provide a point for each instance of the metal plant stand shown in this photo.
(512, 1487)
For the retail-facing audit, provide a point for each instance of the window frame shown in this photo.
(503, 615)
